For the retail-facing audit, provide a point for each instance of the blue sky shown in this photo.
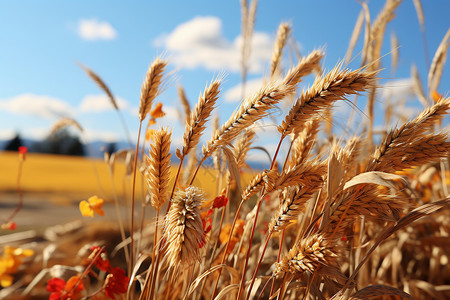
(41, 42)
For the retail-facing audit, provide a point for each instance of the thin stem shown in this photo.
(278, 258)
(309, 286)
(259, 264)
(196, 171)
(155, 241)
(119, 217)
(241, 287)
(132, 201)
(156, 263)
(19, 191)
(127, 132)
(227, 245)
(265, 286)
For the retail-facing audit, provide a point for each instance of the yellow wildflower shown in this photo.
(94, 204)
(10, 262)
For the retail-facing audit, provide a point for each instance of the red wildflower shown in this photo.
(65, 290)
(22, 151)
(220, 201)
(116, 283)
(101, 262)
(10, 225)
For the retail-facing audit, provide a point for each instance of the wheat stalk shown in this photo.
(410, 133)
(304, 142)
(150, 86)
(293, 201)
(185, 103)
(100, 84)
(157, 174)
(437, 65)
(308, 255)
(183, 229)
(280, 42)
(325, 90)
(198, 118)
(64, 122)
(251, 110)
(355, 35)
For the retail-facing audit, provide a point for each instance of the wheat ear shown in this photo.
(184, 102)
(332, 87)
(293, 201)
(183, 229)
(157, 174)
(255, 108)
(437, 65)
(408, 135)
(198, 118)
(150, 87)
(280, 42)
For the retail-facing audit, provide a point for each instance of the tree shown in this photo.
(61, 142)
(14, 143)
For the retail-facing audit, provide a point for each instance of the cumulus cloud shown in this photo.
(101, 103)
(200, 43)
(36, 105)
(234, 94)
(92, 29)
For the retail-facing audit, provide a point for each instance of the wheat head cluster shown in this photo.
(332, 217)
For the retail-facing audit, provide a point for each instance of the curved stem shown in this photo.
(132, 201)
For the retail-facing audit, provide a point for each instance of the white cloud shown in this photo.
(7, 134)
(399, 89)
(200, 43)
(93, 29)
(36, 105)
(101, 103)
(234, 94)
(90, 135)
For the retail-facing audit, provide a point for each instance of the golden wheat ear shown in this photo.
(150, 87)
(157, 165)
(183, 229)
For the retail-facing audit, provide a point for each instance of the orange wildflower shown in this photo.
(235, 237)
(436, 96)
(94, 204)
(157, 111)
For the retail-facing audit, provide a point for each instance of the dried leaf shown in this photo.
(373, 177)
